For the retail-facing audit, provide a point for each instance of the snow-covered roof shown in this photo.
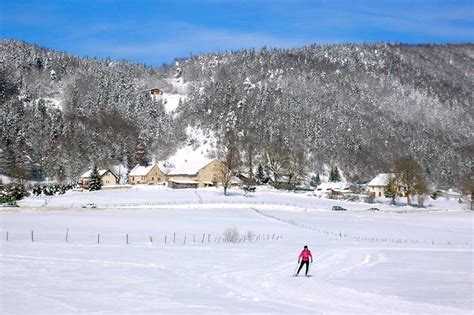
(188, 167)
(451, 193)
(380, 180)
(88, 173)
(142, 170)
(336, 186)
(182, 181)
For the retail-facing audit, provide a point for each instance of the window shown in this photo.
(152, 178)
(380, 194)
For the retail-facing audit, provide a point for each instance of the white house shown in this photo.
(377, 186)
(107, 177)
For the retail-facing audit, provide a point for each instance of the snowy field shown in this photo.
(386, 262)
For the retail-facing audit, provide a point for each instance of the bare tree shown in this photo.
(421, 188)
(408, 174)
(296, 168)
(277, 161)
(225, 178)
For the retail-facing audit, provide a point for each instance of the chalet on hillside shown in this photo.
(196, 174)
(107, 177)
(377, 186)
(151, 174)
(155, 93)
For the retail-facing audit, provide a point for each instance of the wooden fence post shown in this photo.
(98, 238)
(32, 237)
(127, 238)
(184, 243)
(67, 235)
(151, 239)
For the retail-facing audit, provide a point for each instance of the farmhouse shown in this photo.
(377, 186)
(107, 177)
(195, 173)
(151, 174)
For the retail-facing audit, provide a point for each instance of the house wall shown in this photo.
(155, 176)
(212, 172)
(108, 179)
(376, 191)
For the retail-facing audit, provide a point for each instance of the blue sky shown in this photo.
(155, 32)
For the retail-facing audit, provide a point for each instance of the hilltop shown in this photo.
(354, 106)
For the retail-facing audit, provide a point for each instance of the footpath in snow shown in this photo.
(167, 255)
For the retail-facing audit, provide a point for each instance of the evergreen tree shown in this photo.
(95, 182)
(315, 180)
(334, 176)
(260, 176)
(140, 154)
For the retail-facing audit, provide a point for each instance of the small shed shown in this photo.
(182, 183)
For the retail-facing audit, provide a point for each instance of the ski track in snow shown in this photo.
(257, 282)
(40, 259)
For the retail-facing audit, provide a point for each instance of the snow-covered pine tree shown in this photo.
(140, 154)
(315, 180)
(95, 182)
(260, 176)
(334, 176)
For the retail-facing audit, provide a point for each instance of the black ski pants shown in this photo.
(301, 266)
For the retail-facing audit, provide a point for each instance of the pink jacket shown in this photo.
(305, 255)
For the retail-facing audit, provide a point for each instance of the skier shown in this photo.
(304, 257)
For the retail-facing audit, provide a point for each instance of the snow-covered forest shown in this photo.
(354, 106)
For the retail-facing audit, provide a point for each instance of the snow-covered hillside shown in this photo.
(366, 262)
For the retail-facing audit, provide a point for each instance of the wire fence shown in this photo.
(163, 239)
(358, 238)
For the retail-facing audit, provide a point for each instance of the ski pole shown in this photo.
(296, 269)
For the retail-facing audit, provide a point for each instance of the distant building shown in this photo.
(196, 173)
(107, 177)
(377, 186)
(155, 93)
(332, 189)
(450, 194)
(151, 174)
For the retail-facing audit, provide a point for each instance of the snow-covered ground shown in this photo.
(384, 262)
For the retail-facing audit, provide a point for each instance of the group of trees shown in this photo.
(51, 189)
(294, 111)
(407, 180)
(89, 111)
(355, 106)
(10, 193)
